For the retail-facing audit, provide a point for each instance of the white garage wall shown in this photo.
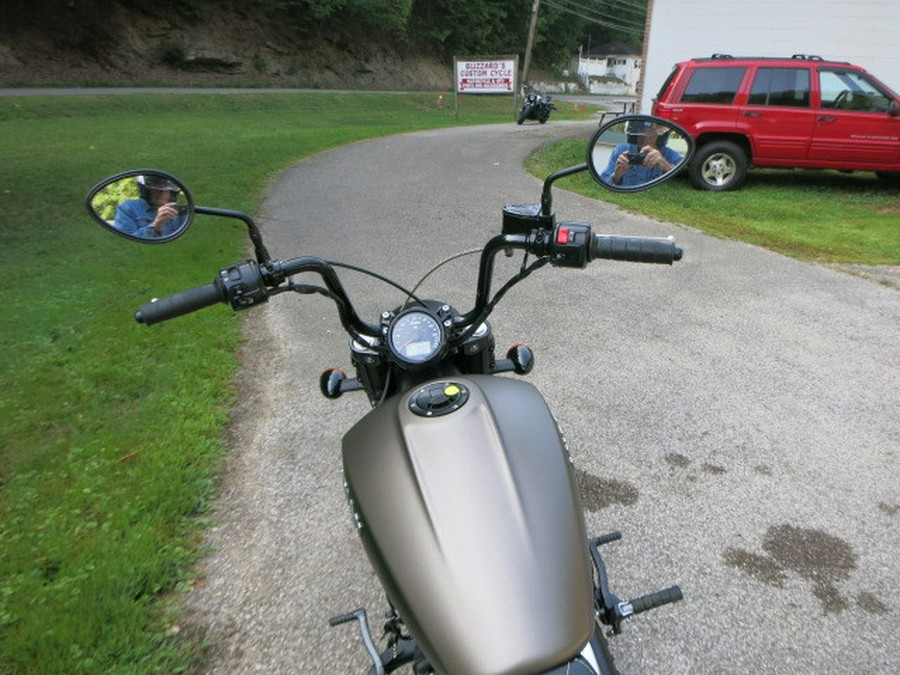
(864, 32)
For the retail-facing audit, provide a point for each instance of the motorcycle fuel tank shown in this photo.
(466, 503)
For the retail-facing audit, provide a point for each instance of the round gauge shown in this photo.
(416, 337)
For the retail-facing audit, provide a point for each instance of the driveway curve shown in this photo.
(735, 416)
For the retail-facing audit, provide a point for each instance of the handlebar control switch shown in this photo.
(570, 245)
(244, 285)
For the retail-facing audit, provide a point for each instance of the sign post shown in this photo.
(485, 75)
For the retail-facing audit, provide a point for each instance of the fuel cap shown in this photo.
(438, 398)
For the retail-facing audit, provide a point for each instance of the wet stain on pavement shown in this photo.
(598, 493)
(871, 604)
(714, 469)
(889, 509)
(757, 566)
(816, 556)
(678, 461)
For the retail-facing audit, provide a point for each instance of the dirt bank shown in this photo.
(106, 43)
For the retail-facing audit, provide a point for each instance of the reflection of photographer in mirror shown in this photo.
(155, 214)
(643, 158)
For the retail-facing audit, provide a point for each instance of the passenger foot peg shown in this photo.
(359, 615)
(611, 610)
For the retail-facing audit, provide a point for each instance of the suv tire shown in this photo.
(719, 166)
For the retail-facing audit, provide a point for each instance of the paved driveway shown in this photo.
(737, 416)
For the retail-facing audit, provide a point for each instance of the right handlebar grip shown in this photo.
(191, 300)
(635, 249)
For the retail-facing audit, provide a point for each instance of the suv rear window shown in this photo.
(713, 85)
(781, 86)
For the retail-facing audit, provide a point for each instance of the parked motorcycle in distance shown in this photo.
(536, 107)
(459, 482)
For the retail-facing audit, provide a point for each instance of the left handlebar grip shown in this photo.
(178, 304)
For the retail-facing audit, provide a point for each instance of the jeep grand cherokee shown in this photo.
(798, 112)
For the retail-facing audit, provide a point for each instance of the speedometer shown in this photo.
(416, 338)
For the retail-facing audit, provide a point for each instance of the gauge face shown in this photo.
(416, 337)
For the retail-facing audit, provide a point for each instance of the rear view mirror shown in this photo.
(143, 205)
(635, 152)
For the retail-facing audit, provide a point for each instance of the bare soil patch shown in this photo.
(84, 43)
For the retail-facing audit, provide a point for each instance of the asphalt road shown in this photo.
(737, 416)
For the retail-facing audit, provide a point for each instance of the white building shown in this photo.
(612, 68)
(864, 32)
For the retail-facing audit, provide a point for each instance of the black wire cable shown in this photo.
(380, 277)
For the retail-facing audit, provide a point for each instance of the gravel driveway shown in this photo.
(737, 416)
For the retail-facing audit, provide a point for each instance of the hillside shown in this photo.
(106, 43)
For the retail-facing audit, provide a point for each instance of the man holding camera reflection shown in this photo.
(645, 156)
(154, 214)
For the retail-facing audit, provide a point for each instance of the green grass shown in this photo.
(822, 216)
(112, 434)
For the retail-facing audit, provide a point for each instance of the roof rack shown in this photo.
(799, 57)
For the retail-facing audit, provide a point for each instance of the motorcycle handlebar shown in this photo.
(162, 309)
(570, 244)
(635, 249)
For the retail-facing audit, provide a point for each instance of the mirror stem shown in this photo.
(546, 195)
(262, 255)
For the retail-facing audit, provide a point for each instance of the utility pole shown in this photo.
(534, 13)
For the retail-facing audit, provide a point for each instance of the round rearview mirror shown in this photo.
(143, 205)
(636, 152)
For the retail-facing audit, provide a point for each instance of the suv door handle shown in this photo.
(827, 118)
(752, 113)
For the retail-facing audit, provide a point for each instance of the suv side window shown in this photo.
(713, 85)
(850, 90)
(780, 86)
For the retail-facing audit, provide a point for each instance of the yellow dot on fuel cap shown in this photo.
(451, 390)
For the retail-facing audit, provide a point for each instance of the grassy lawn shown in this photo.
(112, 434)
(825, 216)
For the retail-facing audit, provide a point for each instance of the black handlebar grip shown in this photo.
(185, 302)
(658, 599)
(635, 249)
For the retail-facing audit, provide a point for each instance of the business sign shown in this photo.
(486, 75)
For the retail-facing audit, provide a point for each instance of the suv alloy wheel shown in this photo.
(718, 166)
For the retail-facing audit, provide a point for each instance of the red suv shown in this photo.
(798, 112)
